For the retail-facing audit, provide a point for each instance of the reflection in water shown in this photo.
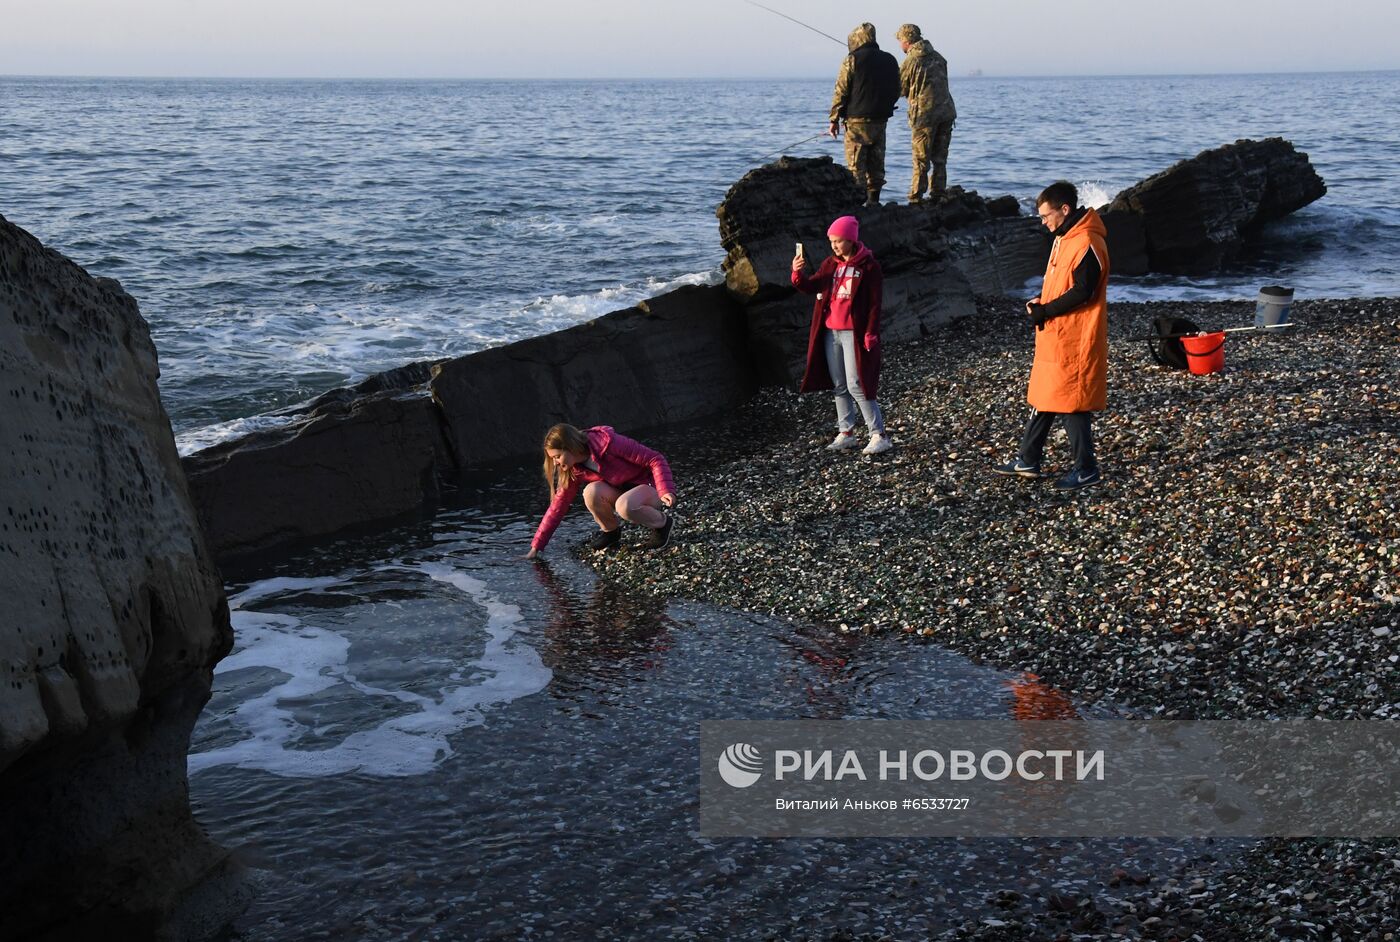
(821, 668)
(600, 633)
(1033, 700)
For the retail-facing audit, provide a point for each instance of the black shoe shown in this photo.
(659, 538)
(604, 539)
(1019, 469)
(872, 197)
(1077, 479)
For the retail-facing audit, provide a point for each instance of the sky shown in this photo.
(666, 38)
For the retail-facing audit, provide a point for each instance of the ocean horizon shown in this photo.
(953, 76)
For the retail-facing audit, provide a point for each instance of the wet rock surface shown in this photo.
(1196, 215)
(345, 461)
(1240, 560)
(114, 617)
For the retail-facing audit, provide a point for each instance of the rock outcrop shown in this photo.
(676, 358)
(345, 460)
(1199, 213)
(935, 256)
(114, 616)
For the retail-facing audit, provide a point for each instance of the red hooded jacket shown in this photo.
(865, 313)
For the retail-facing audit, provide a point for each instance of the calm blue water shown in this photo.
(284, 237)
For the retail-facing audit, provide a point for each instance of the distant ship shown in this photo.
(974, 73)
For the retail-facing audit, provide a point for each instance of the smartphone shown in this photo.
(801, 251)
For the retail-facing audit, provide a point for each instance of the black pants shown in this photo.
(1081, 438)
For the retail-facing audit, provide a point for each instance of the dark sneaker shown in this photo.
(1077, 479)
(659, 538)
(1018, 468)
(604, 539)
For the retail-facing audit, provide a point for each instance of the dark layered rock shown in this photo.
(349, 459)
(1198, 214)
(114, 616)
(935, 257)
(675, 358)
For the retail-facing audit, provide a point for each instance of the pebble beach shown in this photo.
(1240, 560)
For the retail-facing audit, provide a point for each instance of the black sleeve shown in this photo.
(1086, 278)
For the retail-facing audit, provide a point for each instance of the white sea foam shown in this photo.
(1097, 193)
(559, 310)
(315, 659)
(210, 435)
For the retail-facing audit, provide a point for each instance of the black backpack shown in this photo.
(1166, 349)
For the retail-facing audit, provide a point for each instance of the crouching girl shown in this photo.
(621, 480)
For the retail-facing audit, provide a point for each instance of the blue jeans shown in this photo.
(841, 362)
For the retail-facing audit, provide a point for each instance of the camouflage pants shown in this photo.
(931, 159)
(865, 151)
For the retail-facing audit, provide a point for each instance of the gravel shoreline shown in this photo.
(1240, 560)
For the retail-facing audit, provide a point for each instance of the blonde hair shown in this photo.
(563, 437)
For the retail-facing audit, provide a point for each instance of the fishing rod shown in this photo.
(798, 22)
(805, 140)
(1227, 330)
(790, 19)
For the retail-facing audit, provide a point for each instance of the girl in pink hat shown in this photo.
(846, 334)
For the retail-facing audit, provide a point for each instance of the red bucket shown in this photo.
(1205, 353)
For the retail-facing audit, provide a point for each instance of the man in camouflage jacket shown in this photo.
(867, 89)
(923, 79)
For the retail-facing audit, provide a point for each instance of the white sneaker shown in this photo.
(879, 444)
(844, 441)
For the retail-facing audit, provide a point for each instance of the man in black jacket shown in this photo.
(867, 88)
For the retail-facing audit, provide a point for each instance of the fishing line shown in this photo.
(805, 140)
(798, 22)
(790, 19)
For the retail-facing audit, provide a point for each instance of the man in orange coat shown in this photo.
(1069, 377)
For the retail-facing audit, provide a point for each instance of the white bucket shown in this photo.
(1271, 310)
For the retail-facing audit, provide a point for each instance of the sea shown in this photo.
(286, 237)
(417, 734)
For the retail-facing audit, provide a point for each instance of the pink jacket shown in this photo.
(621, 462)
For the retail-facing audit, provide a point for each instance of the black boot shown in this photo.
(872, 197)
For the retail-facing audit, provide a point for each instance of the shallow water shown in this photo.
(285, 237)
(422, 736)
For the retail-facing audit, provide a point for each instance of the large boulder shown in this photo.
(357, 455)
(114, 616)
(1198, 214)
(935, 256)
(675, 358)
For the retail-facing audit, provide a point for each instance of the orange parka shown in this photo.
(1070, 371)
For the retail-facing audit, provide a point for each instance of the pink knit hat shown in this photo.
(847, 227)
